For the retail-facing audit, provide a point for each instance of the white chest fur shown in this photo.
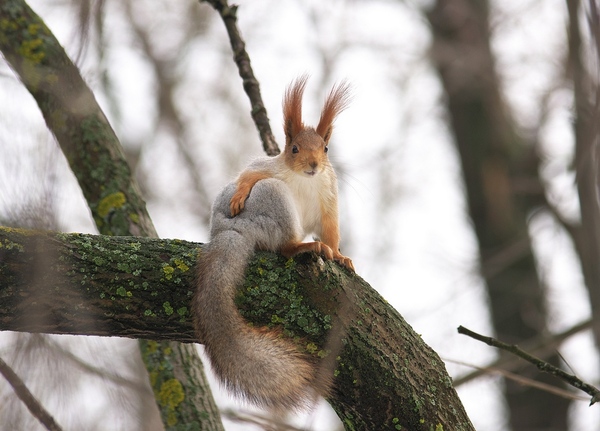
(306, 192)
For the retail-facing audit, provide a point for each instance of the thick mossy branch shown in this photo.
(386, 377)
(95, 285)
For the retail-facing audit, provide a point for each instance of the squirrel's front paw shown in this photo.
(236, 205)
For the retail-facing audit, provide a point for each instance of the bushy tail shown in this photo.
(252, 362)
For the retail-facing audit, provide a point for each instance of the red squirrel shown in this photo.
(305, 168)
(274, 204)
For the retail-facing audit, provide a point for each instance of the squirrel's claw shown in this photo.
(343, 260)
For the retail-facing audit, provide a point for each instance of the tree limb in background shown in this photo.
(251, 86)
(543, 346)
(386, 377)
(542, 365)
(586, 93)
(33, 405)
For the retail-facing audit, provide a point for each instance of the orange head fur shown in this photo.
(306, 147)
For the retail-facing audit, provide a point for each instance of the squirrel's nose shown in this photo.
(313, 164)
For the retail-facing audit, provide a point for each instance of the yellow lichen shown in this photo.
(9, 245)
(33, 29)
(8, 25)
(181, 265)
(153, 376)
(170, 395)
(171, 418)
(110, 203)
(30, 49)
(168, 270)
(152, 346)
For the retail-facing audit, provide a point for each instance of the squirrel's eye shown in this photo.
(295, 149)
(326, 148)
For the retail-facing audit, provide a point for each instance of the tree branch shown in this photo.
(543, 346)
(141, 287)
(33, 405)
(539, 363)
(251, 86)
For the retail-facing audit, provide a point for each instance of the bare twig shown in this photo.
(251, 86)
(542, 365)
(34, 406)
(541, 346)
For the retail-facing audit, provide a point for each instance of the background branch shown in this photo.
(542, 346)
(542, 365)
(27, 397)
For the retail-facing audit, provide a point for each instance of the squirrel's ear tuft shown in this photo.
(292, 108)
(337, 100)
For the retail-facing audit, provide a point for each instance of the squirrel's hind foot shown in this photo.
(293, 248)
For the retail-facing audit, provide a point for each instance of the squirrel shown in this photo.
(273, 205)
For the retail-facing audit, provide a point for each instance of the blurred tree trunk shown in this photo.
(586, 235)
(502, 187)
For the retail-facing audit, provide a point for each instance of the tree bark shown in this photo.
(495, 162)
(386, 377)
